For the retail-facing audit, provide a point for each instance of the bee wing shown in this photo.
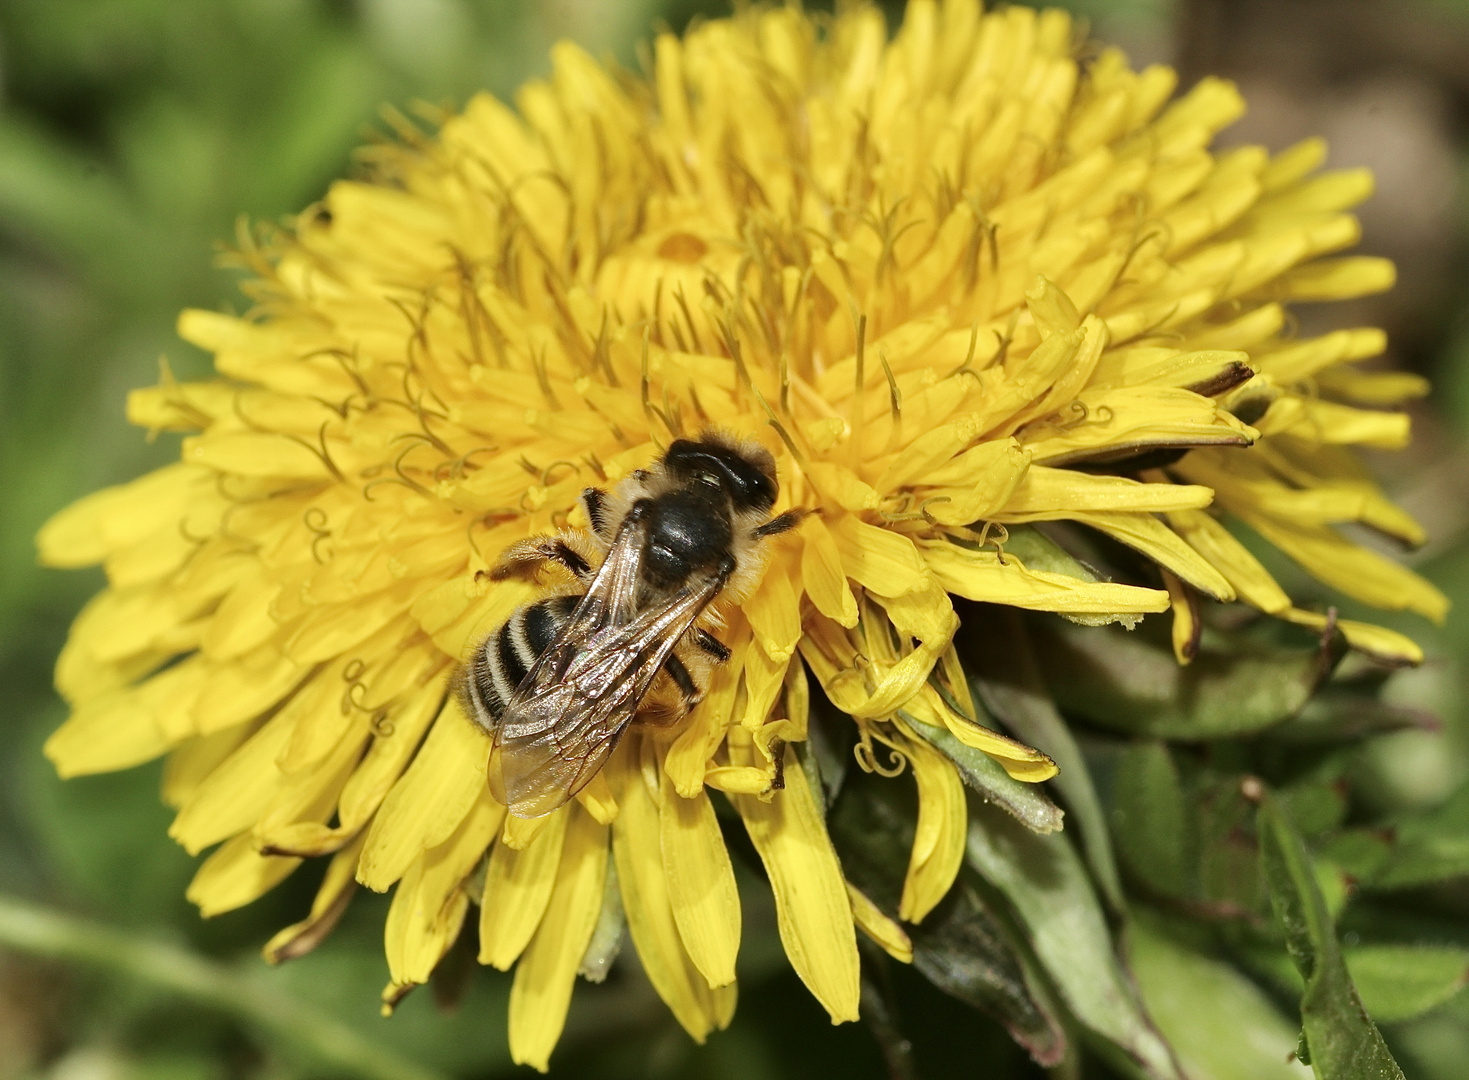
(564, 720)
(610, 600)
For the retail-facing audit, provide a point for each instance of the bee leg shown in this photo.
(710, 644)
(524, 559)
(679, 673)
(781, 523)
(594, 500)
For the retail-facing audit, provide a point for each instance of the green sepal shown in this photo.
(1027, 803)
(1399, 982)
(1223, 1026)
(1416, 850)
(1152, 820)
(1341, 1039)
(1053, 900)
(1348, 713)
(1005, 676)
(1184, 832)
(1130, 681)
(962, 947)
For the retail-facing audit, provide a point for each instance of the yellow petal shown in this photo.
(881, 929)
(1214, 542)
(429, 905)
(1147, 365)
(926, 614)
(235, 875)
(1072, 378)
(1372, 387)
(1186, 625)
(740, 779)
(1335, 279)
(1377, 641)
(291, 823)
(974, 485)
(429, 801)
(232, 798)
(689, 755)
(88, 530)
(398, 736)
(866, 690)
(1356, 571)
(243, 619)
(517, 889)
(701, 883)
(244, 688)
(1315, 357)
(116, 731)
(1022, 762)
(461, 612)
(1294, 162)
(541, 992)
(332, 897)
(1060, 492)
(841, 486)
(943, 823)
(645, 899)
(880, 559)
(774, 611)
(254, 454)
(930, 450)
(189, 765)
(823, 575)
(812, 909)
(596, 798)
(980, 575)
(1150, 536)
(1328, 422)
(1132, 419)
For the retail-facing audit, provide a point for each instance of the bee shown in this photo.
(561, 680)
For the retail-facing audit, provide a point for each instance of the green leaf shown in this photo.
(1052, 898)
(1428, 848)
(958, 947)
(1152, 820)
(1027, 803)
(1221, 1024)
(1398, 982)
(1130, 682)
(961, 946)
(1316, 803)
(1342, 714)
(1184, 831)
(1342, 1041)
(1361, 853)
(1229, 882)
(1004, 675)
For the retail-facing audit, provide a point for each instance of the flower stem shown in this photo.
(42, 931)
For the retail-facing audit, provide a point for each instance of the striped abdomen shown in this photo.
(501, 663)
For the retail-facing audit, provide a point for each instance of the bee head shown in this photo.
(746, 474)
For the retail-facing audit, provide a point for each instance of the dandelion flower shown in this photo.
(962, 280)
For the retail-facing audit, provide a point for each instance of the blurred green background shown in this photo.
(133, 133)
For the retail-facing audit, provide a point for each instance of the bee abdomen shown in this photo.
(501, 663)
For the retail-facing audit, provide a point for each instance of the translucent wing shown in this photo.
(565, 718)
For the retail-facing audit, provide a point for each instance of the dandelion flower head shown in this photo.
(979, 276)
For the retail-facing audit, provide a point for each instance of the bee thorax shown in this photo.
(689, 532)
